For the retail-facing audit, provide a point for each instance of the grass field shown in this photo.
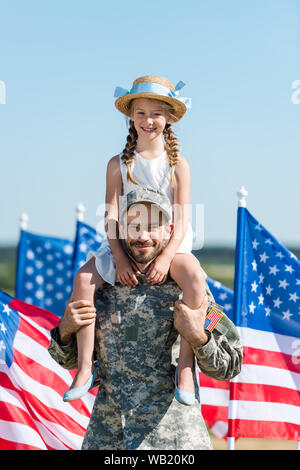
(218, 263)
(254, 444)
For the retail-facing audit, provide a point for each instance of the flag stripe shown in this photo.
(42, 317)
(268, 376)
(54, 375)
(40, 414)
(265, 429)
(46, 395)
(213, 383)
(53, 414)
(21, 434)
(217, 397)
(31, 331)
(12, 412)
(69, 438)
(268, 341)
(214, 413)
(270, 393)
(15, 412)
(13, 445)
(270, 358)
(50, 439)
(48, 378)
(264, 411)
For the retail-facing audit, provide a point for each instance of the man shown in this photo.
(135, 331)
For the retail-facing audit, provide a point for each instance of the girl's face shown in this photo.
(149, 118)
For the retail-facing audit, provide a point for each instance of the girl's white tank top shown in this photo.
(152, 174)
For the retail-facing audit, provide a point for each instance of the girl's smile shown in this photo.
(149, 130)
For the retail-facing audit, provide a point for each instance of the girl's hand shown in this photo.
(159, 268)
(125, 271)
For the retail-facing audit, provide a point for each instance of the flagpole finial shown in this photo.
(242, 194)
(24, 221)
(80, 209)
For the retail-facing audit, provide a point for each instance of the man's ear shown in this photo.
(167, 235)
(121, 231)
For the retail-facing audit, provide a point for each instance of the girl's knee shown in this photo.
(188, 273)
(197, 278)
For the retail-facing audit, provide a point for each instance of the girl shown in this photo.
(151, 159)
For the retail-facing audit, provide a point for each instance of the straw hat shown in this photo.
(152, 86)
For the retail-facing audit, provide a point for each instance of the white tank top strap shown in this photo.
(127, 184)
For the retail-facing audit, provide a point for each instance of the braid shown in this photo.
(171, 144)
(128, 152)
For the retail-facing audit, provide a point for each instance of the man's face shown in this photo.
(147, 232)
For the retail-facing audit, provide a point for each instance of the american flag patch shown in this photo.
(212, 319)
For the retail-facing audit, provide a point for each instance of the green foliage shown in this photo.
(7, 277)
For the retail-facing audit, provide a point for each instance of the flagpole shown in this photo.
(80, 210)
(24, 221)
(23, 226)
(237, 298)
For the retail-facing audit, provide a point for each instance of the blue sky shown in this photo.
(61, 61)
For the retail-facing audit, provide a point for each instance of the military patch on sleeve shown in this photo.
(212, 319)
(131, 333)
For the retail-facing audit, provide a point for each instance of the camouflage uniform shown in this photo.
(137, 346)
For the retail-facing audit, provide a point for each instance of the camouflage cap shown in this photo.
(140, 195)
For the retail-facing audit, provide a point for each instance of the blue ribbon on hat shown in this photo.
(151, 87)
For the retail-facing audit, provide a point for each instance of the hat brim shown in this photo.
(122, 103)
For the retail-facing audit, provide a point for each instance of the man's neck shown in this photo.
(143, 267)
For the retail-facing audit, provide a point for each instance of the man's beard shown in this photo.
(146, 257)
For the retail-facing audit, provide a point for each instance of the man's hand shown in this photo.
(190, 323)
(77, 314)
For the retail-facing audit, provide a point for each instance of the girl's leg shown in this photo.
(186, 271)
(87, 280)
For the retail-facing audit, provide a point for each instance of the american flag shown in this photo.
(46, 266)
(212, 319)
(33, 415)
(265, 396)
(44, 271)
(214, 394)
(87, 239)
